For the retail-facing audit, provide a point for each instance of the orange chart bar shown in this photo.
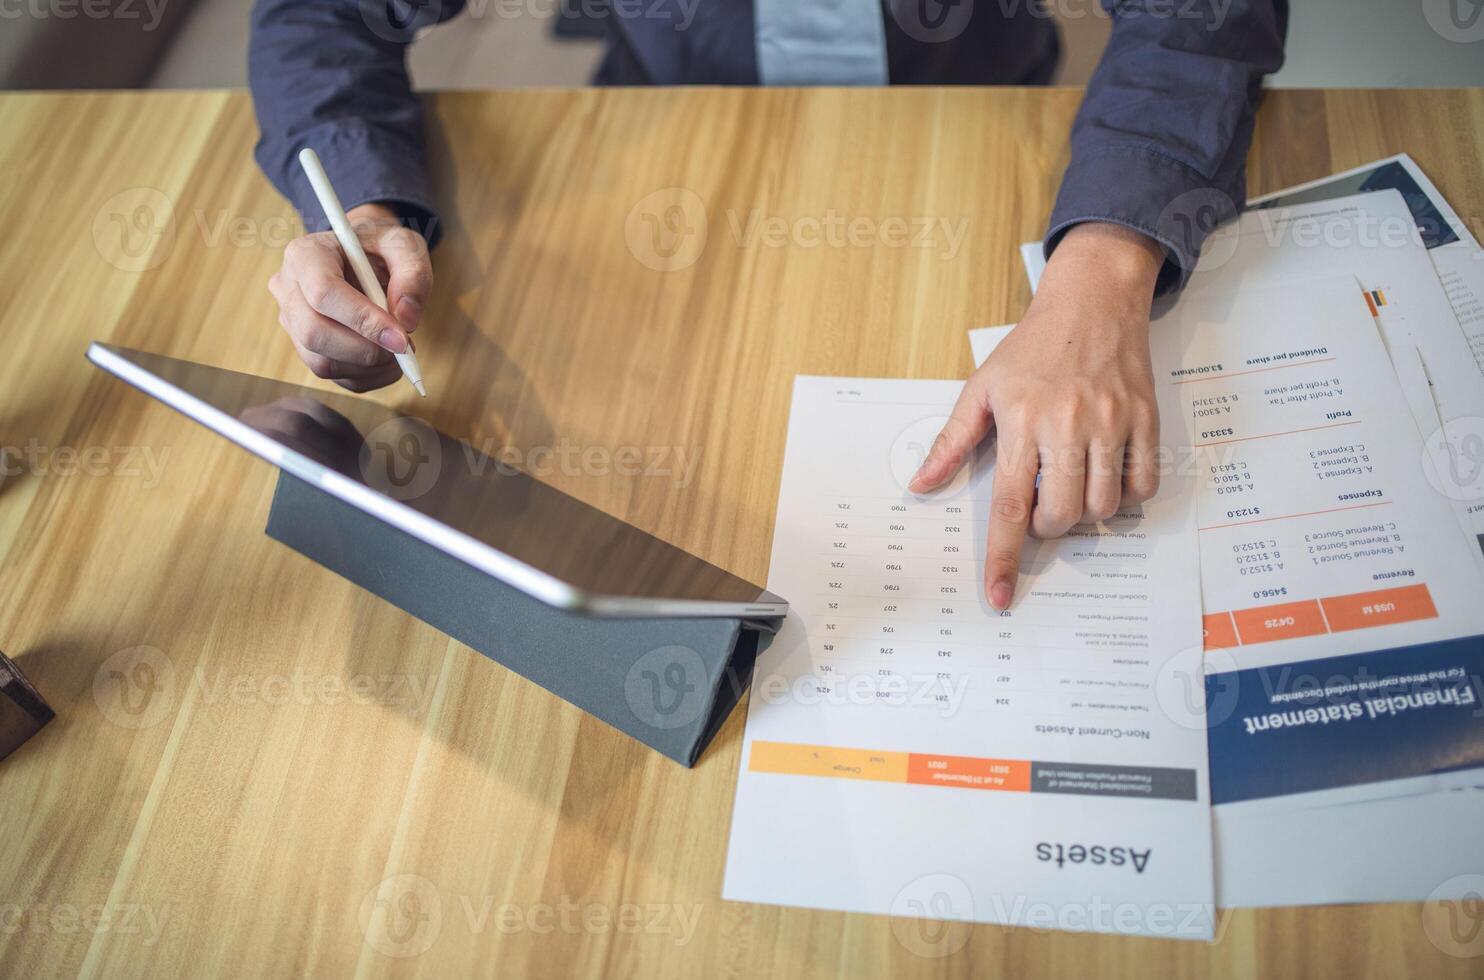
(971, 772)
(892, 766)
(1365, 609)
(898, 767)
(1220, 631)
(1335, 614)
(1280, 622)
(968, 772)
(823, 760)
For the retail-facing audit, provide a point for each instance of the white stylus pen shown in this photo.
(351, 244)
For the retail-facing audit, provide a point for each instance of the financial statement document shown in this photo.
(911, 751)
(1373, 238)
(1321, 532)
(1343, 621)
(1455, 252)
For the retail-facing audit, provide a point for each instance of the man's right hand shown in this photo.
(340, 334)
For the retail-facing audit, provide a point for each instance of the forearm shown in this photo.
(324, 75)
(1160, 142)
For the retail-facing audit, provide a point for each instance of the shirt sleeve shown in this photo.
(1160, 142)
(332, 75)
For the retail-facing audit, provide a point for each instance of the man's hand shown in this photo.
(340, 334)
(1071, 393)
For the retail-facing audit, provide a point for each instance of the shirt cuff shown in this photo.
(1149, 192)
(367, 167)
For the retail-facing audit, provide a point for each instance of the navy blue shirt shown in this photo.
(1159, 144)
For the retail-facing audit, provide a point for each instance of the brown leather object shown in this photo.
(22, 710)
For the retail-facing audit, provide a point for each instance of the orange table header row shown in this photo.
(964, 772)
(968, 772)
(1311, 617)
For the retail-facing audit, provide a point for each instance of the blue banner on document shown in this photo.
(1346, 721)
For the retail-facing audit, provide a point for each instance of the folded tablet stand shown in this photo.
(670, 683)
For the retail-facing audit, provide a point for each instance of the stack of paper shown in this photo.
(1290, 634)
(1418, 276)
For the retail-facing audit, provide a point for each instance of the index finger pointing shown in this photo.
(1016, 463)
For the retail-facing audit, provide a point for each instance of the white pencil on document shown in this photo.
(351, 244)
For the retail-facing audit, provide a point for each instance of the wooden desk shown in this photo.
(229, 799)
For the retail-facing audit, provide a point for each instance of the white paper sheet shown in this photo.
(909, 751)
(1373, 238)
(1453, 249)
(1415, 848)
(1033, 257)
(1407, 849)
(1314, 509)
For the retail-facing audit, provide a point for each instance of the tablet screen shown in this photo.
(445, 491)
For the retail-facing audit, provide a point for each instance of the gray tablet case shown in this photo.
(670, 683)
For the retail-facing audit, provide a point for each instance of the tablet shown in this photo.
(479, 509)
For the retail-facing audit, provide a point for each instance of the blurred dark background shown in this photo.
(513, 43)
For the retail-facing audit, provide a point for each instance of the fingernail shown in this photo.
(999, 595)
(409, 311)
(393, 340)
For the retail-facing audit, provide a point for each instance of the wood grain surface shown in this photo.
(250, 754)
